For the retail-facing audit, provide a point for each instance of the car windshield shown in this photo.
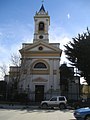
(53, 99)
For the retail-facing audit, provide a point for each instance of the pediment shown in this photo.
(40, 47)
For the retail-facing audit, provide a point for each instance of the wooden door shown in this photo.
(39, 93)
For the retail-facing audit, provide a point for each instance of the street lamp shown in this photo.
(51, 90)
(77, 86)
(76, 79)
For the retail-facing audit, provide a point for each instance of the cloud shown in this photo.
(1, 34)
(11, 38)
(2, 49)
(68, 16)
(59, 35)
(63, 40)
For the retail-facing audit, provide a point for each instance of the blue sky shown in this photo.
(67, 19)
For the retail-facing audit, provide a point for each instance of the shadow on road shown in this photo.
(49, 110)
(72, 119)
(30, 109)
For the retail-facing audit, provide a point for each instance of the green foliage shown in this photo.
(3, 85)
(78, 53)
(21, 97)
(66, 73)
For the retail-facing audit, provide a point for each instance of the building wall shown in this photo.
(49, 78)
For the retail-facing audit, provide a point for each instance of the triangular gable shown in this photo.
(35, 46)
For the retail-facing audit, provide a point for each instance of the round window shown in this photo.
(41, 36)
(40, 48)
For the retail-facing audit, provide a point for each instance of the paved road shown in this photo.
(35, 114)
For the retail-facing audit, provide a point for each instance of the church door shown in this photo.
(39, 93)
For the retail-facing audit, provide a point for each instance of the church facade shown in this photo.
(40, 61)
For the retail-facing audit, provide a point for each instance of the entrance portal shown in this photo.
(39, 93)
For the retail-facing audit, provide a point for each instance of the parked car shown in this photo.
(82, 114)
(56, 101)
(81, 103)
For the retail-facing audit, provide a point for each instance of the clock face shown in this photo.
(40, 48)
(41, 36)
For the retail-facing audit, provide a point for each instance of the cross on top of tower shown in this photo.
(42, 1)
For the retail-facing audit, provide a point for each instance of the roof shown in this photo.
(42, 9)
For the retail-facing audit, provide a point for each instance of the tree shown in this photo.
(3, 69)
(78, 53)
(3, 85)
(66, 74)
(15, 59)
(15, 76)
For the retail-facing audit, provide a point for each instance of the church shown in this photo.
(40, 62)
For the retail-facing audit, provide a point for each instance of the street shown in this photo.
(36, 114)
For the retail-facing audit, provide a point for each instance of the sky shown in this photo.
(67, 19)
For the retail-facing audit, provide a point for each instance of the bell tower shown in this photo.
(42, 22)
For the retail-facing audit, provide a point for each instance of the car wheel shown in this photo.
(44, 105)
(62, 106)
(87, 117)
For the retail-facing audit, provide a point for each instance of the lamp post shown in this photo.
(27, 91)
(76, 79)
(51, 90)
(77, 86)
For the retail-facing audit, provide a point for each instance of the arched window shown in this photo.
(40, 65)
(41, 26)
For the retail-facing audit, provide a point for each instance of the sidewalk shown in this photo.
(6, 106)
(31, 106)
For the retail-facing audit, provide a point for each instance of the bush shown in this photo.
(21, 97)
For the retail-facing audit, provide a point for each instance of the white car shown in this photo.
(56, 101)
